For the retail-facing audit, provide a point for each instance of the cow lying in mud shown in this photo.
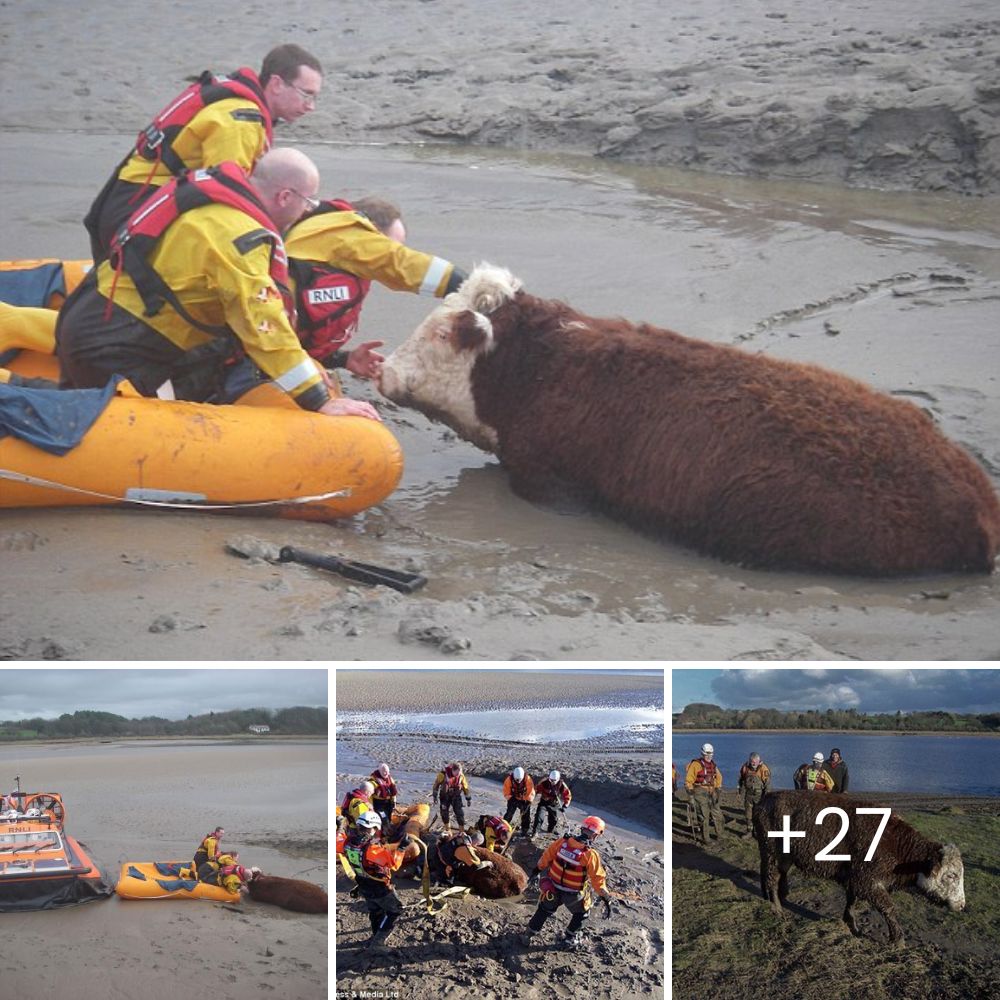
(745, 457)
(902, 858)
(288, 893)
(503, 880)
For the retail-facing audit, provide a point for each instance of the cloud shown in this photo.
(170, 694)
(879, 690)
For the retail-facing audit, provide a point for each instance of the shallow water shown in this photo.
(944, 764)
(551, 724)
(902, 291)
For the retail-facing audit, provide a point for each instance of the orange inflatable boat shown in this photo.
(42, 866)
(264, 455)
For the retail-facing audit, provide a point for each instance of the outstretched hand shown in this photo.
(364, 361)
(341, 407)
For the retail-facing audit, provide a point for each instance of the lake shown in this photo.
(943, 764)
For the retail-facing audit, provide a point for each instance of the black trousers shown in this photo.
(384, 906)
(578, 903)
(513, 805)
(453, 802)
(93, 343)
(551, 811)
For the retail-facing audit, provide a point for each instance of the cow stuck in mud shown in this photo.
(288, 893)
(902, 856)
(744, 457)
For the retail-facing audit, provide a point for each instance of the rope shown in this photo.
(20, 477)
(425, 885)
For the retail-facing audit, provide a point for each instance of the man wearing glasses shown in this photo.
(215, 120)
(197, 275)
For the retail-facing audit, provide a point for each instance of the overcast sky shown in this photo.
(170, 694)
(880, 689)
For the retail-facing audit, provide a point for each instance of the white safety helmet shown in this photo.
(554, 776)
(477, 838)
(370, 820)
(383, 770)
(818, 758)
(707, 748)
(368, 786)
(519, 774)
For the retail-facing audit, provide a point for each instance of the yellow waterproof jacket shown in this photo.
(694, 769)
(218, 285)
(439, 783)
(351, 242)
(225, 130)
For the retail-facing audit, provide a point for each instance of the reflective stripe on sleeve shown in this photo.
(433, 276)
(297, 375)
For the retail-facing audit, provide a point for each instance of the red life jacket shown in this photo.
(499, 826)
(155, 142)
(453, 779)
(518, 788)
(383, 786)
(358, 793)
(225, 184)
(569, 867)
(706, 773)
(328, 300)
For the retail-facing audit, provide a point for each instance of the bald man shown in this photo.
(197, 276)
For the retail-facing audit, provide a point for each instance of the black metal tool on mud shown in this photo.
(405, 583)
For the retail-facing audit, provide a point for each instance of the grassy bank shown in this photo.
(727, 940)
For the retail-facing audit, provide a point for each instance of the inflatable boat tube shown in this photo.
(163, 880)
(261, 459)
(264, 454)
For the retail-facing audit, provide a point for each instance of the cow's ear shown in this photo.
(471, 331)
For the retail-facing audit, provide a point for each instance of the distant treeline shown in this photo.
(704, 716)
(298, 721)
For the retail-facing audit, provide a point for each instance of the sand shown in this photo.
(141, 801)
(896, 289)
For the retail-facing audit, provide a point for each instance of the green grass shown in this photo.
(728, 942)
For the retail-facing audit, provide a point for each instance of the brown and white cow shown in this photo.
(745, 457)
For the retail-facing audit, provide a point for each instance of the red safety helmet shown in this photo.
(594, 824)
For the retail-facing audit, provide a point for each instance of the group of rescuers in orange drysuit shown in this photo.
(571, 863)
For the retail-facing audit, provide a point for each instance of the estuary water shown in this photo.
(944, 764)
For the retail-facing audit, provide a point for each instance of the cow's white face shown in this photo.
(946, 883)
(432, 370)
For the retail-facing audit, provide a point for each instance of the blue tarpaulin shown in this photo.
(52, 419)
(32, 286)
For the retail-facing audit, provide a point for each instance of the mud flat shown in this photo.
(138, 802)
(472, 947)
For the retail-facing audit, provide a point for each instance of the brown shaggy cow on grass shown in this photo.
(903, 857)
(288, 893)
(745, 457)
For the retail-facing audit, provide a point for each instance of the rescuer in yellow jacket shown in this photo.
(334, 253)
(574, 868)
(219, 119)
(219, 268)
